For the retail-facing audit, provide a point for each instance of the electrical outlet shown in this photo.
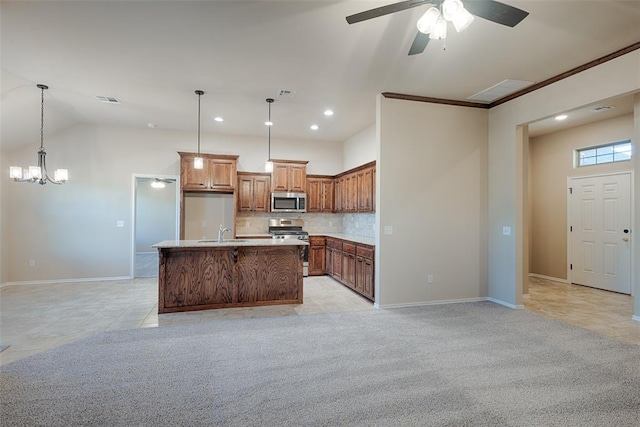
(430, 278)
(506, 231)
(388, 229)
(32, 263)
(120, 223)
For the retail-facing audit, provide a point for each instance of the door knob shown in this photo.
(626, 239)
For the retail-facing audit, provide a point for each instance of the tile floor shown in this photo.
(605, 312)
(34, 318)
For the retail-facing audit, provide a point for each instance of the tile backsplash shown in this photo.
(359, 224)
(314, 223)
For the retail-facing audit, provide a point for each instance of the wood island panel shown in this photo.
(222, 277)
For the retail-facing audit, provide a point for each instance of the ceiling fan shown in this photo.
(433, 24)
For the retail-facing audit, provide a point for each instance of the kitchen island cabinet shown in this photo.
(200, 275)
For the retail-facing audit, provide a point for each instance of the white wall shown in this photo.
(360, 148)
(4, 202)
(70, 230)
(432, 189)
(613, 78)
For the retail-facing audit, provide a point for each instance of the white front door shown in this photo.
(600, 216)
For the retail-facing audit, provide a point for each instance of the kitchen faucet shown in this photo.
(221, 232)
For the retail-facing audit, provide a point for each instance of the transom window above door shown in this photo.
(614, 152)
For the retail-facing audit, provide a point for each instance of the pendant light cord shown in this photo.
(42, 116)
(269, 131)
(199, 94)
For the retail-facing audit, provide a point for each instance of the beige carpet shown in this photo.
(476, 364)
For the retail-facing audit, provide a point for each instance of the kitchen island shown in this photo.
(207, 274)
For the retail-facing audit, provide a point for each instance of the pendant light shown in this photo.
(198, 162)
(268, 166)
(38, 174)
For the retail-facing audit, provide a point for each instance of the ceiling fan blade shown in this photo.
(495, 11)
(419, 43)
(385, 10)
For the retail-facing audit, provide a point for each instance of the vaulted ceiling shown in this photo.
(153, 55)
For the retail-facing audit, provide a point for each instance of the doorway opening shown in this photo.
(155, 213)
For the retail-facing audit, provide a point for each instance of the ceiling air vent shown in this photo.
(600, 109)
(500, 90)
(286, 93)
(108, 99)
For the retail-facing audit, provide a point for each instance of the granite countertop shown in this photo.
(253, 235)
(350, 237)
(206, 243)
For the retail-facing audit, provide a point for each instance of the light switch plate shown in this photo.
(120, 224)
(506, 231)
(388, 229)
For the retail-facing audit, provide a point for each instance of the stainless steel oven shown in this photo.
(291, 228)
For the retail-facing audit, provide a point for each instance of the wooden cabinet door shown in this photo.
(297, 178)
(314, 193)
(280, 178)
(373, 189)
(336, 271)
(360, 275)
(245, 193)
(253, 193)
(368, 280)
(338, 184)
(328, 259)
(349, 269)
(222, 174)
(364, 190)
(261, 193)
(316, 260)
(353, 193)
(193, 179)
(326, 195)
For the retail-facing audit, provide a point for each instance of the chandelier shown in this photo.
(38, 174)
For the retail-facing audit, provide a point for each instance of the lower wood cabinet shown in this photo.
(350, 263)
(317, 256)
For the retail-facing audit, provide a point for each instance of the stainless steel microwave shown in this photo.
(288, 202)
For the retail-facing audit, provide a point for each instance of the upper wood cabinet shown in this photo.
(253, 192)
(319, 193)
(354, 190)
(217, 175)
(289, 176)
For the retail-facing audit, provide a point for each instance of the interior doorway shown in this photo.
(600, 231)
(155, 213)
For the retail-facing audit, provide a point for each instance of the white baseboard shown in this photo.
(506, 304)
(439, 302)
(554, 279)
(50, 282)
(636, 318)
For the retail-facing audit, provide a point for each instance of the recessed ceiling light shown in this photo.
(328, 113)
(561, 117)
(219, 119)
(268, 123)
(151, 125)
(314, 127)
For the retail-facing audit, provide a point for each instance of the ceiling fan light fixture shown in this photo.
(427, 22)
(462, 20)
(451, 8)
(440, 30)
